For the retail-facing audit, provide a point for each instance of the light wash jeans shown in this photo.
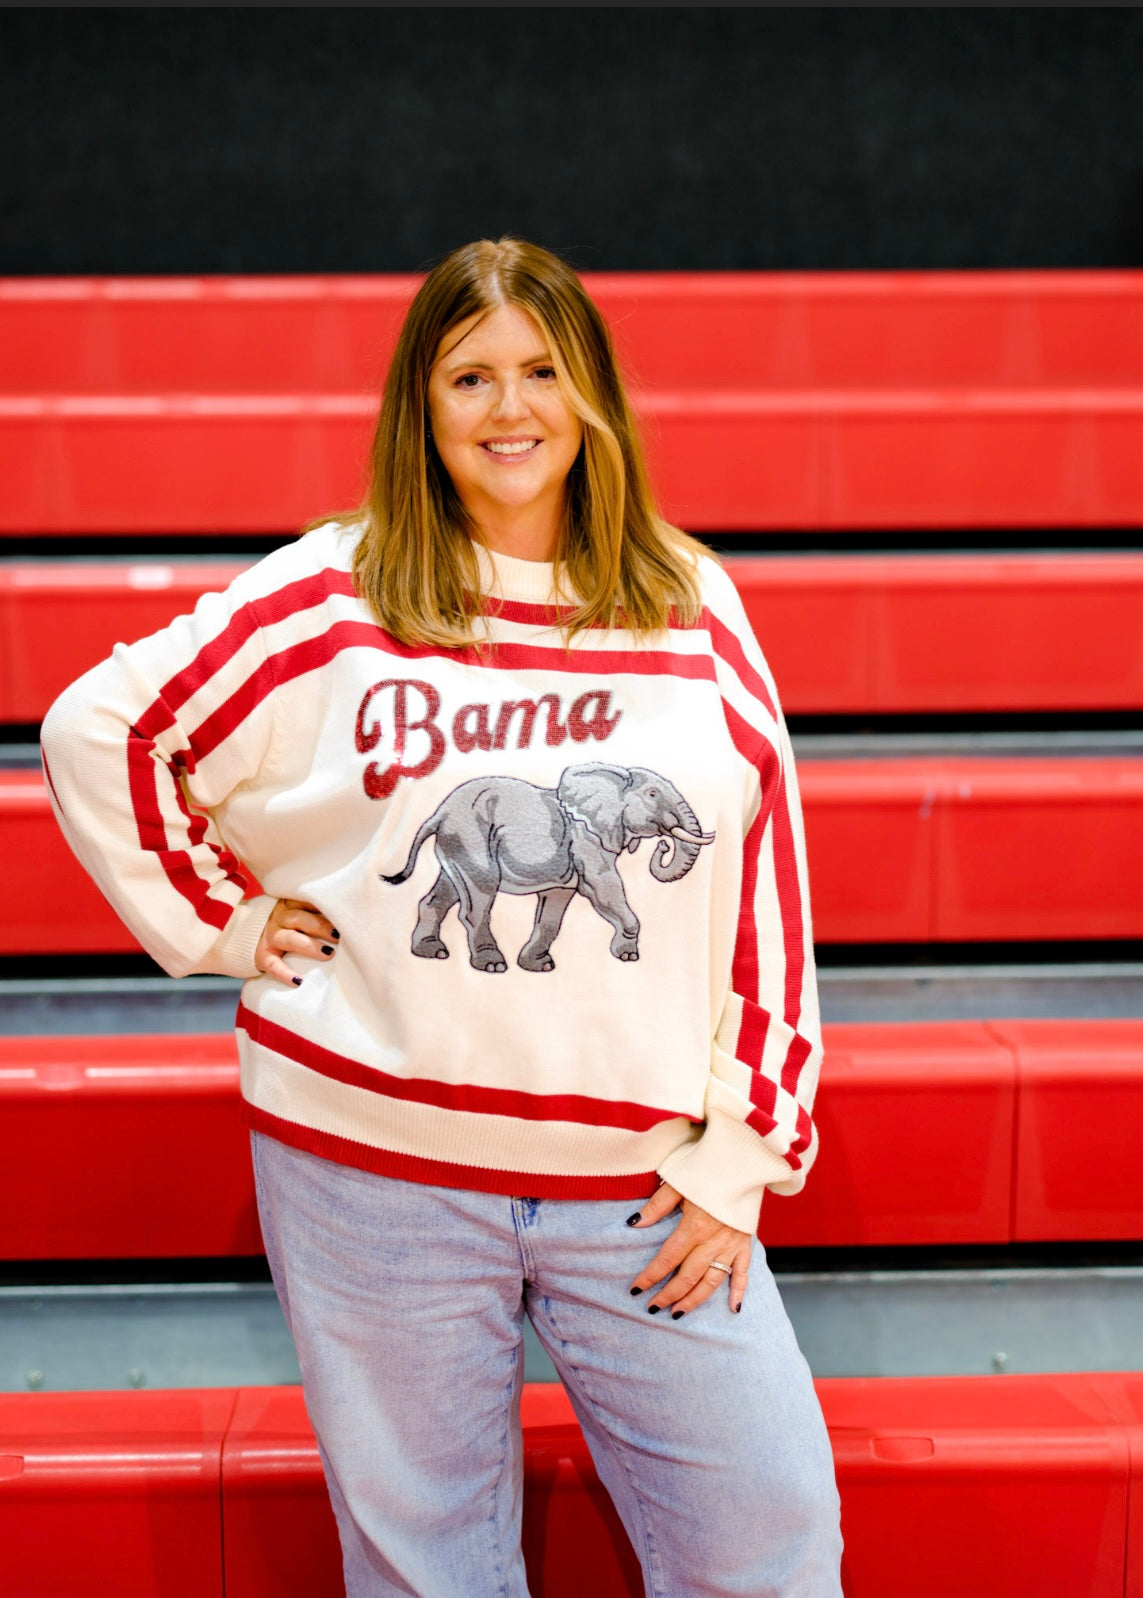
(406, 1305)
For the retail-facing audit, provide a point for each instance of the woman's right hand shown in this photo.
(294, 927)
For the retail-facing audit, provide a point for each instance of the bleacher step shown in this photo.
(927, 1322)
(1073, 990)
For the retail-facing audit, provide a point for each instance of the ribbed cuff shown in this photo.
(232, 952)
(725, 1171)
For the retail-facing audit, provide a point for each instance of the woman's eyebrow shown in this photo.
(485, 366)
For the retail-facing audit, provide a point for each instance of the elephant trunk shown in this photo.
(672, 860)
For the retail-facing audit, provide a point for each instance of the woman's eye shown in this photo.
(469, 380)
(547, 373)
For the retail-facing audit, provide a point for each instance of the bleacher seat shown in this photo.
(127, 1147)
(1080, 1087)
(1000, 1486)
(845, 401)
(906, 633)
(727, 330)
(112, 1495)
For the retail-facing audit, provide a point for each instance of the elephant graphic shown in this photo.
(501, 834)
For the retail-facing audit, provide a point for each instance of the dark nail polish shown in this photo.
(327, 948)
(738, 1309)
(677, 1314)
(638, 1216)
(635, 1291)
(334, 933)
(653, 1309)
(297, 982)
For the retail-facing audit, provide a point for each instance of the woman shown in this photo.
(494, 1065)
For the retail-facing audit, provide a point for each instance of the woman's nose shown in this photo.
(509, 403)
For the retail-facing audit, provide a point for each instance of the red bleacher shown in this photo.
(906, 632)
(1079, 1088)
(110, 1498)
(59, 619)
(734, 330)
(962, 848)
(133, 1147)
(1001, 1487)
(127, 1146)
(937, 633)
(833, 401)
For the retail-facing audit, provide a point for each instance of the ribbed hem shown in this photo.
(441, 1173)
(232, 952)
(456, 1138)
(725, 1171)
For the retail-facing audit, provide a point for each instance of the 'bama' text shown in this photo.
(419, 742)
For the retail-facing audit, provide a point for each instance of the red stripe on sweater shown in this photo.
(760, 752)
(790, 910)
(314, 653)
(142, 778)
(764, 1095)
(728, 648)
(755, 747)
(574, 1107)
(530, 614)
(525, 612)
(754, 1026)
(796, 1056)
(442, 1173)
(196, 833)
(804, 1137)
(309, 592)
(790, 904)
(267, 611)
(761, 1122)
(161, 714)
(724, 641)
(745, 974)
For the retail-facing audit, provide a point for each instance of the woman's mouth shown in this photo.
(510, 448)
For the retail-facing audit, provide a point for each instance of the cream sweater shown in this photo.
(570, 885)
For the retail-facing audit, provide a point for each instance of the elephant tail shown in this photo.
(426, 830)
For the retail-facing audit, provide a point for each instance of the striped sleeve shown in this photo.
(138, 751)
(766, 1052)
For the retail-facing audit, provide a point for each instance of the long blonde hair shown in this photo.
(414, 564)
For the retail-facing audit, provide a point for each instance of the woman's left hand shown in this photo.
(689, 1252)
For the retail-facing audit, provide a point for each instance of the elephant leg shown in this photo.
(430, 913)
(476, 892)
(550, 908)
(603, 890)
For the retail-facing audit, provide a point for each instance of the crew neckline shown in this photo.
(508, 577)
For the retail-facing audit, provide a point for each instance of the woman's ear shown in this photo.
(594, 794)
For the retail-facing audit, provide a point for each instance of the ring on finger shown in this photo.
(717, 1265)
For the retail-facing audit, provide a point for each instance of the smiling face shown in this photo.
(504, 431)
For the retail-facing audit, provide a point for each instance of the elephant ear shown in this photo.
(594, 794)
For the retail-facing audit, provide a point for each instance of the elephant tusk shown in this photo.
(690, 837)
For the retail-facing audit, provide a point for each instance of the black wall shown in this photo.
(294, 140)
